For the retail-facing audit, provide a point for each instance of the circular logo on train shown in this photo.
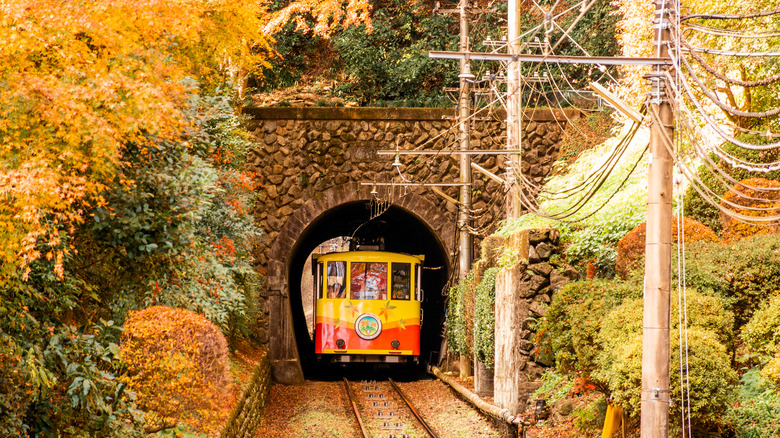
(368, 326)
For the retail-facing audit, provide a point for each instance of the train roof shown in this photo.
(371, 256)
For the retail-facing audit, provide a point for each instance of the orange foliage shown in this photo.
(177, 364)
(733, 229)
(81, 80)
(327, 14)
(631, 248)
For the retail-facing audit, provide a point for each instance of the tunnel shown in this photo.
(402, 231)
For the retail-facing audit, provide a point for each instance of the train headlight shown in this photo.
(395, 344)
(340, 343)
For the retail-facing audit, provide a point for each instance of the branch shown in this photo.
(154, 429)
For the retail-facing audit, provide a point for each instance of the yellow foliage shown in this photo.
(772, 370)
(733, 229)
(634, 34)
(177, 364)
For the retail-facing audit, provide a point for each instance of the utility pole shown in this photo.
(513, 112)
(465, 134)
(658, 247)
(464, 206)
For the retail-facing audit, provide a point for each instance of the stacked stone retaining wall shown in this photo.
(531, 283)
(250, 406)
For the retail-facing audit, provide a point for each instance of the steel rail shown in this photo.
(408, 403)
(359, 417)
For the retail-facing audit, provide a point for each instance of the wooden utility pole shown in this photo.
(513, 112)
(465, 242)
(658, 248)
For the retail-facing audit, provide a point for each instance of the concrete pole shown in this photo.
(658, 251)
(465, 241)
(513, 112)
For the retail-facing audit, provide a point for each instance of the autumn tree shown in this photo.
(121, 187)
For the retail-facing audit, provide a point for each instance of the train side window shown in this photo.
(337, 276)
(368, 281)
(402, 280)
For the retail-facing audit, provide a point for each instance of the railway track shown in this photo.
(383, 410)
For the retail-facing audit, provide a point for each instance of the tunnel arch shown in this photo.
(410, 224)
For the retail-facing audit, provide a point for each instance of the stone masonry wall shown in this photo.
(302, 153)
(250, 406)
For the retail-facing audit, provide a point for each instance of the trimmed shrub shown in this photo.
(631, 248)
(711, 377)
(743, 273)
(762, 335)
(733, 229)
(574, 318)
(177, 364)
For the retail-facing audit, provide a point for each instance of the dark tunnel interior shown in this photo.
(402, 232)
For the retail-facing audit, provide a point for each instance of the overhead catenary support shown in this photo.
(488, 173)
(447, 152)
(552, 59)
(658, 249)
(617, 102)
(413, 184)
(464, 123)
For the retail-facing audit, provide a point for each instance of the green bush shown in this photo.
(574, 318)
(742, 273)
(460, 316)
(485, 318)
(592, 233)
(762, 332)
(756, 413)
(710, 374)
(762, 335)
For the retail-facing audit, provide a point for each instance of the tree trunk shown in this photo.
(464, 365)
(483, 379)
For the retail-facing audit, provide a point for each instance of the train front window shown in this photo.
(337, 276)
(368, 281)
(401, 281)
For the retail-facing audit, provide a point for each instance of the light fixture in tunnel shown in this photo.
(397, 162)
(373, 190)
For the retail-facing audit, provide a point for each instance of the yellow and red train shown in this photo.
(367, 306)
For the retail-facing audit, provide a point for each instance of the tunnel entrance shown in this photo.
(402, 231)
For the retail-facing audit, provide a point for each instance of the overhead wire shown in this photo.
(718, 31)
(702, 190)
(730, 17)
(716, 127)
(742, 83)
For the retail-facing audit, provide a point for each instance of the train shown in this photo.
(367, 306)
